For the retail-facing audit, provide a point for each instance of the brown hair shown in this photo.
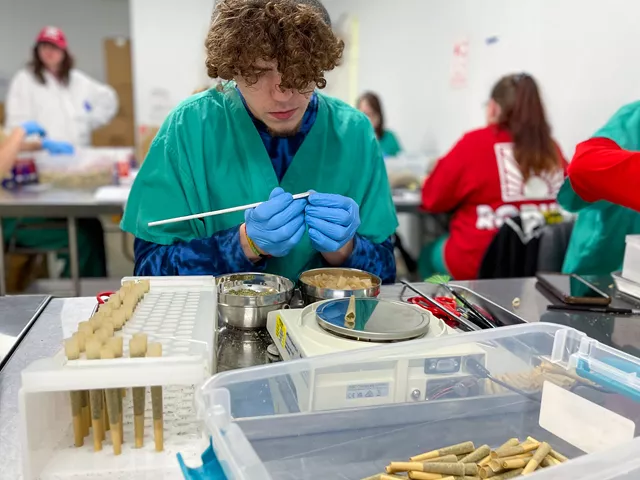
(374, 102)
(38, 67)
(296, 34)
(522, 114)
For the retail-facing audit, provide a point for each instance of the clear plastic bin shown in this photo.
(87, 168)
(346, 416)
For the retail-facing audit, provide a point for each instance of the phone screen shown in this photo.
(572, 286)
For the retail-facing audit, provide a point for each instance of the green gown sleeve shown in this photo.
(598, 240)
(163, 189)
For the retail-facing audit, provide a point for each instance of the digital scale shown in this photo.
(321, 329)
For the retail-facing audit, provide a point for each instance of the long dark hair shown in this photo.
(374, 102)
(522, 114)
(38, 68)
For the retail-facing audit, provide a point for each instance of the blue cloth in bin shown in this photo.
(210, 469)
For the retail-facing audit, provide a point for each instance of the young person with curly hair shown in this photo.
(266, 134)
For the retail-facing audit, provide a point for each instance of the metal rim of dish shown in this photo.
(360, 335)
(329, 293)
(225, 283)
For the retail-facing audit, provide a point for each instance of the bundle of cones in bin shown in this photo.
(101, 410)
(466, 462)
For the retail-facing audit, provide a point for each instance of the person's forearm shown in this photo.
(219, 254)
(376, 258)
(9, 150)
(601, 170)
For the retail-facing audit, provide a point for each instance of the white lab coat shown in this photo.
(67, 113)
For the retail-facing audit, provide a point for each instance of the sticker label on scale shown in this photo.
(580, 422)
(367, 390)
(285, 340)
(281, 331)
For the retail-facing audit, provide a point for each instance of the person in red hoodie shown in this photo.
(510, 166)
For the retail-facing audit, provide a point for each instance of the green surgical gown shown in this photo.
(598, 240)
(208, 156)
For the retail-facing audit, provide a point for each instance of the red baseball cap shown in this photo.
(53, 35)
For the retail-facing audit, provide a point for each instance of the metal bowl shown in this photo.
(311, 294)
(250, 312)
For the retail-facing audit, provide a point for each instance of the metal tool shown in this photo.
(483, 321)
(218, 212)
(468, 324)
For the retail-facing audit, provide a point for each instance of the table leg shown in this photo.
(74, 262)
(3, 273)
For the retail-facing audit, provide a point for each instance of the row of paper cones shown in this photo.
(101, 410)
(464, 461)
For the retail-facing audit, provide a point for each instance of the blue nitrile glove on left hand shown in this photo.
(277, 225)
(57, 148)
(33, 128)
(333, 221)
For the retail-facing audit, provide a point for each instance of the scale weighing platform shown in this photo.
(320, 329)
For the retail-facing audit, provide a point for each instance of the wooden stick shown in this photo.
(155, 350)
(113, 396)
(72, 350)
(218, 212)
(136, 349)
(95, 398)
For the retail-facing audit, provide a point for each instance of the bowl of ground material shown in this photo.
(331, 283)
(245, 299)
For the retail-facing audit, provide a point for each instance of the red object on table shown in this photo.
(447, 302)
(103, 294)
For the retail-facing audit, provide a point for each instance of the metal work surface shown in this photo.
(239, 349)
(55, 203)
(44, 339)
(17, 314)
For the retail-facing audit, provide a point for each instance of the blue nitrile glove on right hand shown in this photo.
(33, 128)
(57, 148)
(277, 225)
(333, 221)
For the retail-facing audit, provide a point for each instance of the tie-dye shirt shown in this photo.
(222, 253)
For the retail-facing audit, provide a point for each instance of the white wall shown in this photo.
(86, 23)
(587, 67)
(168, 53)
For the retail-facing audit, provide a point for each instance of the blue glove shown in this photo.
(277, 225)
(33, 128)
(57, 148)
(333, 221)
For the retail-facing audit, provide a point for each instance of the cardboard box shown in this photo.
(125, 100)
(119, 133)
(118, 57)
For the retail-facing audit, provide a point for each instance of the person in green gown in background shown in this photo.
(598, 240)
(371, 105)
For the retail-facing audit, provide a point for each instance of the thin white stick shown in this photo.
(218, 212)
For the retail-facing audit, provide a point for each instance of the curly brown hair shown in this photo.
(296, 34)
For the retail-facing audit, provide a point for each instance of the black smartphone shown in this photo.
(573, 289)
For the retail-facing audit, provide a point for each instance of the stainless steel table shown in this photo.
(237, 349)
(69, 205)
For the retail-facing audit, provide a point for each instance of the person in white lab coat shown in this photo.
(66, 102)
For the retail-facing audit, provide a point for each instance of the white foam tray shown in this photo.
(180, 313)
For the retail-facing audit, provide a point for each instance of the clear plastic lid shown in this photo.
(349, 415)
